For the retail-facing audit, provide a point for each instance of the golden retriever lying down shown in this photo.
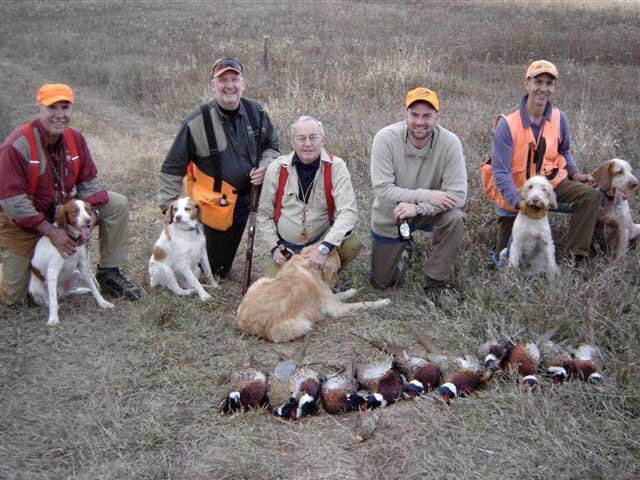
(286, 307)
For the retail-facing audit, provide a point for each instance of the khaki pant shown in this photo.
(16, 247)
(348, 250)
(448, 233)
(585, 201)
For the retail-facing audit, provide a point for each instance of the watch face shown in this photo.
(323, 249)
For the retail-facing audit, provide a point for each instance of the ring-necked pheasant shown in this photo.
(420, 374)
(461, 376)
(248, 389)
(293, 388)
(376, 374)
(339, 392)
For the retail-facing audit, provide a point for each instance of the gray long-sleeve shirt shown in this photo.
(402, 173)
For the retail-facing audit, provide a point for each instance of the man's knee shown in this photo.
(454, 216)
(382, 280)
(117, 204)
(349, 249)
(14, 279)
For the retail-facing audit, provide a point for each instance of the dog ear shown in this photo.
(61, 216)
(553, 201)
(170, 215)
(602, 176)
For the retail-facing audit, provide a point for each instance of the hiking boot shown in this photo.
(114, 285)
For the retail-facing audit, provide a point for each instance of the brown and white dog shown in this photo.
(531, 241)
(286, 307)
(53, 274)
(615, 179)
(180, 250)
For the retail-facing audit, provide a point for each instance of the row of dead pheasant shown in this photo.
(294, 390)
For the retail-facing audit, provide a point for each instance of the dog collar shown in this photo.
(536, 214)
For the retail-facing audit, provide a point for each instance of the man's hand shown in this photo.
(61, 240)
(441, 199)
(316, 258)
(279, 257)
(583, 178)
(404, 210)
(257, 175)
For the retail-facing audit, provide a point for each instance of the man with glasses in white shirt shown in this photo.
(308, 198)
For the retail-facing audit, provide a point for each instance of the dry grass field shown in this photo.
(132, 393)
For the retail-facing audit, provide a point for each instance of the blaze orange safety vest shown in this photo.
(34, 156)
(523, 165)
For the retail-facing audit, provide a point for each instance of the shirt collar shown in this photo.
(526, 120)
(221, 112)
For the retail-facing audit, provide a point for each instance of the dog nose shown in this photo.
(535, 200)
(633, 185)
(178, 218)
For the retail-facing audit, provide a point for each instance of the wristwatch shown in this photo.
(324, 250)
(421, 209)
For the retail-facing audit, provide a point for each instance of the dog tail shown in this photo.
(290, 329)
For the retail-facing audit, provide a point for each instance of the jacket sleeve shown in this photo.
(501, 154)
(89, 187)
(265, 220)
(174, 167)
(344, 196)
(270, 145)
(383, 177)
(13, 188)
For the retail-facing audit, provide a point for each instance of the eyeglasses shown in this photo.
(224, 64)
(313, 138)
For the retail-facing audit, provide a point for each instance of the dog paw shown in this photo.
(53, 321)
(186, 292)
(105, 304)
(205, 297)
(212, 284)
(385, 302)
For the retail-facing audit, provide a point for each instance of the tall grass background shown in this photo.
(132, 393)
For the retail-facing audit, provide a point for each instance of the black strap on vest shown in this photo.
(256, 126)
(214, 158)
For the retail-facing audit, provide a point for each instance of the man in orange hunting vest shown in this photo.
(535, 140)
(44, 163)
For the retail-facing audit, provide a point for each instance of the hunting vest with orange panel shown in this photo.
(71, 150)
(531, 156)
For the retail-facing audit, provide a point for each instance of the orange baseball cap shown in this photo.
(425, 95)
(223, 65)
(51, 93)
(541, 66)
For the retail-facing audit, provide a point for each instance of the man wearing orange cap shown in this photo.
(535, 140)
(218, 140)
(419, 176)
(43, 164)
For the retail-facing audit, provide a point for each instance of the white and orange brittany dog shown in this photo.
(180, 251)
(531, 241)
(53, 274)
(615, 179)
(286, 307)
